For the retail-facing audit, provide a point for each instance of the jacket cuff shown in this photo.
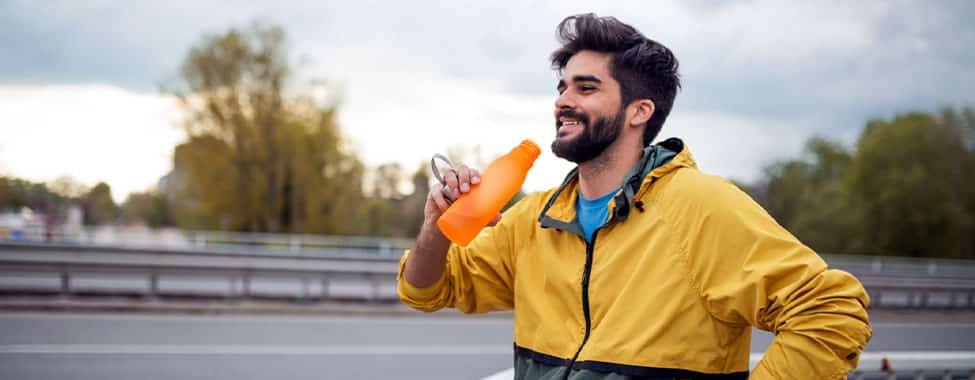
(408, 291)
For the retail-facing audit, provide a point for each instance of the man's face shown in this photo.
(588, 116)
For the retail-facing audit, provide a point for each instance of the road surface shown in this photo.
(134, 346)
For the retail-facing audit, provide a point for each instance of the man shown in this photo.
(638, 265)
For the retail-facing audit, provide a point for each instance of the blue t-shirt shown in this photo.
(592, 213)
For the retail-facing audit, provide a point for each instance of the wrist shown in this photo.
(430, 224)
(431, 229)
(430, 234)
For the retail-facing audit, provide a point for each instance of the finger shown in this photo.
(439, 200)
(464, 176)
(496, 220)
(436, 193)
(452, 183)
(475, 176)
(449, 195)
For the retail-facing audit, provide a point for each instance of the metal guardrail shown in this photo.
(909, 282)
(267, 243)
(903, 266)
(891, 281)
(72, 269)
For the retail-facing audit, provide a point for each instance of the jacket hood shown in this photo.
(657, 160)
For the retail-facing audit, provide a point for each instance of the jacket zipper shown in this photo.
(590, 247)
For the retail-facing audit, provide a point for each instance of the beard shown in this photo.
(591, 141)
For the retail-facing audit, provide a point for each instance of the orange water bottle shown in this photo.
(502, 179)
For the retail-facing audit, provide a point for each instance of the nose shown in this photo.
(564, 101)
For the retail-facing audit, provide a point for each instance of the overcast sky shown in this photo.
(79, 79)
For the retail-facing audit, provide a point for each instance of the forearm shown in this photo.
(428, 258)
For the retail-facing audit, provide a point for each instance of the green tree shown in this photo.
(146, 207)
(324, 191)
(98, 205)
(202, 185)
(258, 157)
(16, 193)
(911, 176)
(904, 190)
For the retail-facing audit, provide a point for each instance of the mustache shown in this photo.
(571, 114)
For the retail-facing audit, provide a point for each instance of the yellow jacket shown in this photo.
(669, 288)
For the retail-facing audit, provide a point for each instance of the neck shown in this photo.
(603, 174)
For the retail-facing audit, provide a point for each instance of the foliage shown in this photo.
(53, 199)
(148, 208)
(257, 158)
(910, 178)
(904, 190)
(98, 205)
(16, 193)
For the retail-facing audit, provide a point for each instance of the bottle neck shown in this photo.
(527, 150)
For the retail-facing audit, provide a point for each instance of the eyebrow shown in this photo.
(579, 78)
(586, 78)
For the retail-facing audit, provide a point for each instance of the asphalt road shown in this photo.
(104, 346)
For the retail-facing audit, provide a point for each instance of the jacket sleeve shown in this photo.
(752, 271)
(477, 279)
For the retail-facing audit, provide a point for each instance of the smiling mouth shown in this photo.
(565, 121)
(567, 127)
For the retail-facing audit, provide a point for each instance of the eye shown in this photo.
(586, 88)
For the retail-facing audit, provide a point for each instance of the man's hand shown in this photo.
(458, 180)
(427, 260)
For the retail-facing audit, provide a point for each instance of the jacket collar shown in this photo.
(658, 159)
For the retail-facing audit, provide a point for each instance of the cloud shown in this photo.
(783, 56)
(427, 114)
(93, 133)
(421, 76)
(733, 146)
(848, 59)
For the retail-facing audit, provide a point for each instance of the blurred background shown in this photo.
(222, 190)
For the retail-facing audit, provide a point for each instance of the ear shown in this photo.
(641, 110)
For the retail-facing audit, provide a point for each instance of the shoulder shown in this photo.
(690, 185)
(691, 195)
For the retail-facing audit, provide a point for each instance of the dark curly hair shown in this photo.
(644, 68)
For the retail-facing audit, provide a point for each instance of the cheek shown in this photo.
(601, 105)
